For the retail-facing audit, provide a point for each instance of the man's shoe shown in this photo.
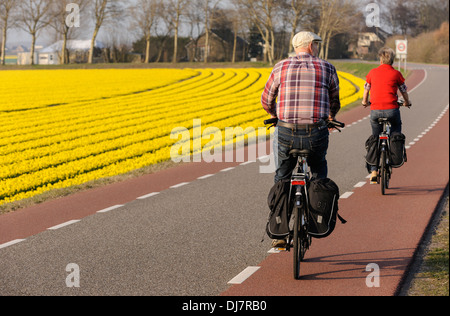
(279, 243)
(374, 178)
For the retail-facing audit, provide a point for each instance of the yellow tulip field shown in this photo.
(61, 128)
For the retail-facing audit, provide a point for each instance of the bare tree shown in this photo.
(298, 11)
(263, 14)
(102, 10)
(6, 8)
(59, 22)
(209, 6)
(34, 17)
(236, 22)
(335, 17)
(146, 14)
(176, 8)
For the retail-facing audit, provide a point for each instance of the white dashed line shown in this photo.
(244, 275)
(176, 186)
(206, 177)
(110, 209)
(63, 225)
(360, 184)
(247, 163)
(228, 169)
(346, 195)
(11, 243)
(147, 196)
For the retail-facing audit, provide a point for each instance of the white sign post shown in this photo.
(401, 51)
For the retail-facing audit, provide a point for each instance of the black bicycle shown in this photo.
(384, 150)
(385, 168)
(299, 238)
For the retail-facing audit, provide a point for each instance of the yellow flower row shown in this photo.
(29, 89)
(115, 125)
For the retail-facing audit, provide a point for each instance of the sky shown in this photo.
(19, 37)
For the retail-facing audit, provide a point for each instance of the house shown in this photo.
(78, 53)
(220, 48)
(368, 42)
(24, 58)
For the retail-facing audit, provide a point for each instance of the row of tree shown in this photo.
(276, 21)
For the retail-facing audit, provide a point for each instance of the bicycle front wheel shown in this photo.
(299, 243)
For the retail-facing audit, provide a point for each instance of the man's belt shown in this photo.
(301, 126)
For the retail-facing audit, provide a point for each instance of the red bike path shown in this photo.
(382, 230)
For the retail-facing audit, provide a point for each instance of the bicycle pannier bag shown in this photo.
(278, 201)
(398, 150)
(323, 198)
(373, 154)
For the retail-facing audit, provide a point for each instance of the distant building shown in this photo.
(78, 53)
(220, 47)
(369, 41)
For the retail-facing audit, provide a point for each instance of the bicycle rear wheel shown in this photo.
(299, 242)
(384, 175)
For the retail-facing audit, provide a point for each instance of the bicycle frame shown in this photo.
(300, 212)
(298, 194)
(384, 145)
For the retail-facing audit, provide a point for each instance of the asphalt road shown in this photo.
(197, 233)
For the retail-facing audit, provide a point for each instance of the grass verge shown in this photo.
(430, 271)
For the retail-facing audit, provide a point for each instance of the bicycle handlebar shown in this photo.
(400, 104)
(272, 121)
(330, 123)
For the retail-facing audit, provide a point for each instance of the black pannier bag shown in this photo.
(323, 199)
(398, 150)
(279, 205)
(373, 152)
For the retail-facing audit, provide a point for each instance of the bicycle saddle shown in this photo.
(382, 120)
(299, 152)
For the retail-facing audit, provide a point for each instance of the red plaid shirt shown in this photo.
(307, 88)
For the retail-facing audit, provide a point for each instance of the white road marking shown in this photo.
(11, 243)
(346, 195)
(147, 196)
(206, 177)
(64, 225)
(360, 184)
(227, 169)
(110, 209)
(179, 185)
(244, 275)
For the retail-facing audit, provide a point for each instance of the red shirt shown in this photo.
(384, 83)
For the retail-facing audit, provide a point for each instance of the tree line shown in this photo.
(272, 22)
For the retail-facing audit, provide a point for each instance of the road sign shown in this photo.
(401, 51)
(402, 47)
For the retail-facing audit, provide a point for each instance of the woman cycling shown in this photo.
(382, 85)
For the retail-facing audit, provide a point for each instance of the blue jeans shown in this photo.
(316, 140)
(394, 118)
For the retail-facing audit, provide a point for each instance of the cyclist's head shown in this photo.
(304, 39)
(387, 55)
